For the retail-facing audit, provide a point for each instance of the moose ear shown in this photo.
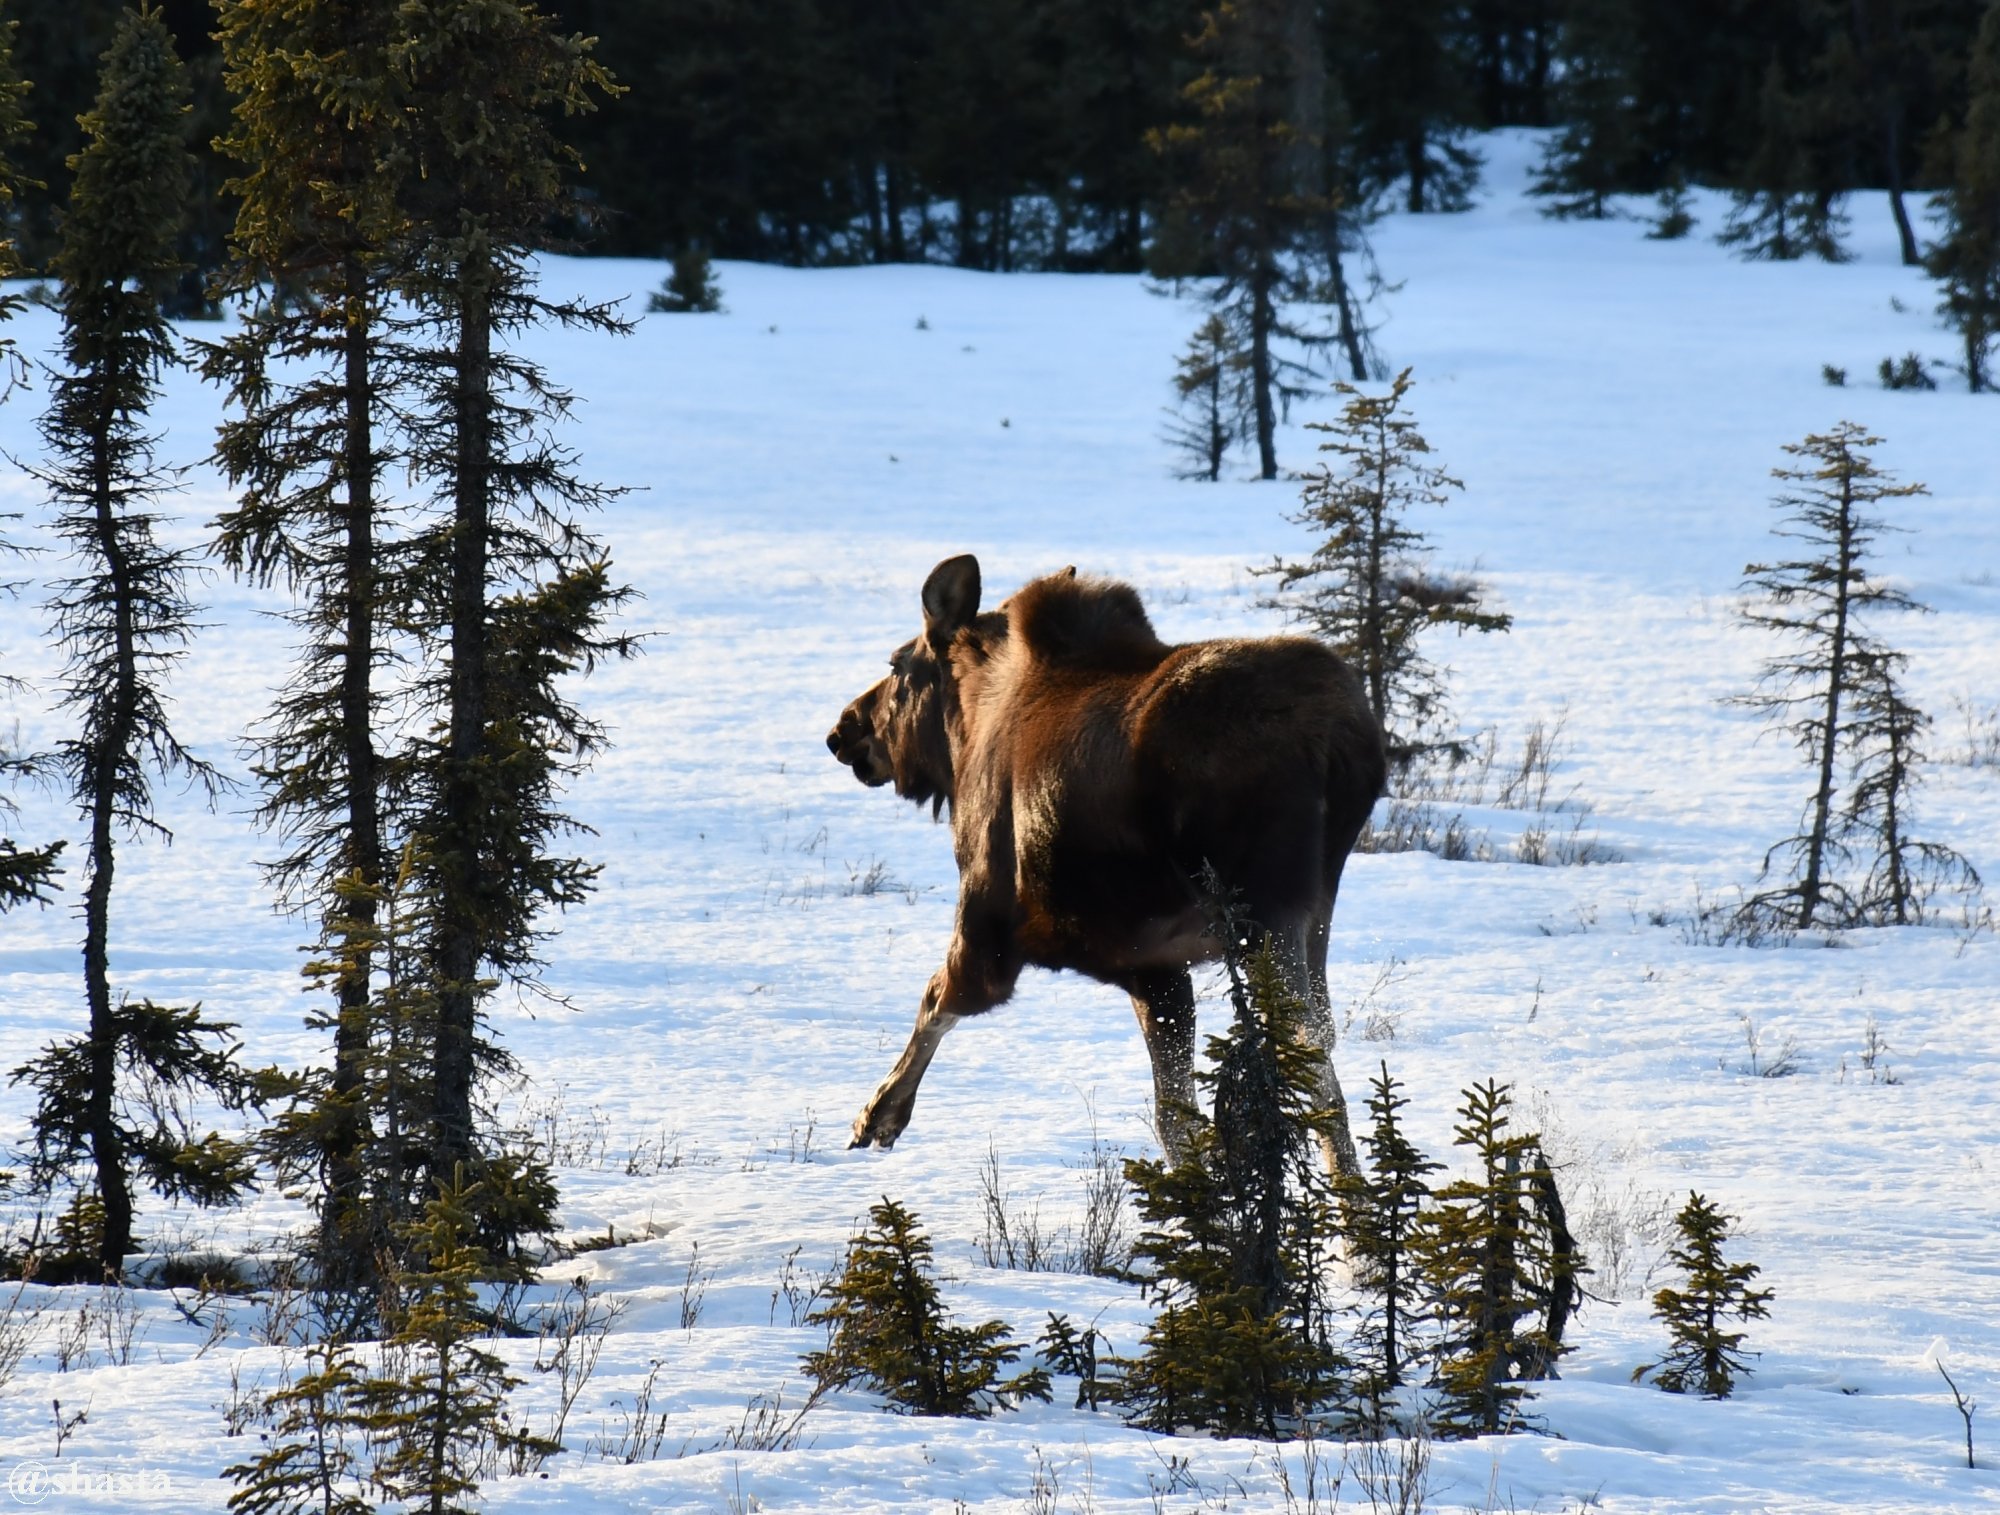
(1068, 573)
(951, 597)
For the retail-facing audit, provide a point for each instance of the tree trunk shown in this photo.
(106, 758)
(460, 909)
(363, 858)
(1263, 316)
(1811, 885)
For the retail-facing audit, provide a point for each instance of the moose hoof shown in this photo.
(876, 1128)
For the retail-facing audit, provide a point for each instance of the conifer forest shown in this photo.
(458, 458)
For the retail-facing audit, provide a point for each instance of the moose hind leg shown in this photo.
(1303, 954)
(882, 1120)
(1163, 1000)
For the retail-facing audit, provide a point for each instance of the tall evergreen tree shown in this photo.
(1785, 205)
(1254, 192)
(1594, 155)
(15, 130)
(1362, 589)
(313, 371)
(1965, 259)
(1410, 101)
(512, 591)
(115, 1095)
(1818, 602)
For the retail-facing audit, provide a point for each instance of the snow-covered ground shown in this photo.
(1614, 406)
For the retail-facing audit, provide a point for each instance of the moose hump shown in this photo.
(1082, 622)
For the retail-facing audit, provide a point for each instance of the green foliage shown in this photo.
(1352, 590)
(118, 1095)
(1965, 258)
(1785, 206)
(1907, 372)
(1500, 1268)
(1704, 1358)
(887, 1330)
(1819, 602)
(1238, 1231)
(439, 1417)
(1885, 769)
(690, 288)
(311, 1461)
(509, 590)
(1074, 1353)
(1408, 94)
(1213, 410)
(1380, 1212)
(15, 128)
(1257, 203)
(1592, 157)
(1673, 220)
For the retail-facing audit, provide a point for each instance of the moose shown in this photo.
(1095, 778)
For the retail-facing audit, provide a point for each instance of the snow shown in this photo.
(1614, 406)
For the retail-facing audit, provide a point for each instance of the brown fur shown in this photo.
(1092, 771)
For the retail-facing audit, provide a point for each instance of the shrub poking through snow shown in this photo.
(313, 1459)
(1501, 1269)
(887, 1331)
(1704, 1358)
(1356, 590)
(1379, 1215)
(1238, 1231)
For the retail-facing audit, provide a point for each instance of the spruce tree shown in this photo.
(689, 289)
(1362, 589)
(1380, 1212)
(1593, 156)
(887, 1330)
(1784, 206)
(312, 1461)
(1410, 100)
(122, 621)
(1965, 259)
(1239, 1230)
(314, 371)
(15, 129)
(1704, 1357)
(1211, 413)
(1501, 1270)
(1818, 602)
(440, 1417)
(1255, 198)
(512, 590)
(1886, 762)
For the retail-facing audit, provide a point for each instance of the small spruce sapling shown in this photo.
(311, 1461)
(887, 1330)
(1704, 1358)
(1237, 1230)
(1887, 767)
(1379, 1216)
(1211, 413)
(1353, 590)
(691, 289)
(1501, 1270)
(445, 1417)
(1818, 601)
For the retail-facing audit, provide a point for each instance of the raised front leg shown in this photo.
(950, 996)
(1164, 1002)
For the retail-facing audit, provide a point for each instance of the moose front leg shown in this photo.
(948, 999)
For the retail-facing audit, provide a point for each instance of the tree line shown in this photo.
(1004, 134)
